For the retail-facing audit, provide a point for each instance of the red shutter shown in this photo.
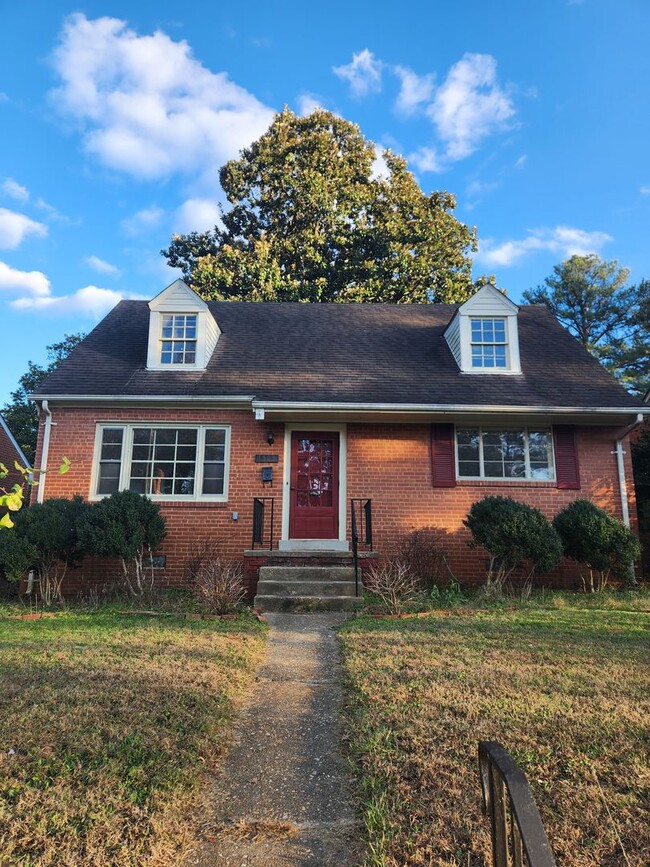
(442, 456)
(567, 470)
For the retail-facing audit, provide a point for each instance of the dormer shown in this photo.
(483, 334)
(182, 331)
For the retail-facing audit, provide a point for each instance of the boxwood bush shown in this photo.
(514, 535)
(598, 541)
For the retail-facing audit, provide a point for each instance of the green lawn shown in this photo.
(564, 685)
(108, 725)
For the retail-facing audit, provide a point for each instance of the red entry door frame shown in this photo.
(314, 485)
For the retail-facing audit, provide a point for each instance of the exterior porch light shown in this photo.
(270, 438)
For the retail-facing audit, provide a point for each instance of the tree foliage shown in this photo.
(21, 414)
(591, 298)
(310, 221)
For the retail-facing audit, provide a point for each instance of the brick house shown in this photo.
(225, 410)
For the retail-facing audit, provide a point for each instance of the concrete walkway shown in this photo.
(284, 799)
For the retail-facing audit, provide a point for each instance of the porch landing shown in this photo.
(284, 797)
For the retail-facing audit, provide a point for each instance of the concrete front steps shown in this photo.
(306, 588)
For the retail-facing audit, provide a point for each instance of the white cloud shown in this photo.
(307, 103)
(427, 159)
(91, 301)
(470, 105)
(15, 190)
(146, 105)
(645, 191)
(52, 213)
(363, 73)
(35, 283)
(144, 220)
(521, 162)
(101, 265)
(14, 228)
(197, 215)
(414, 90)
(563, 241)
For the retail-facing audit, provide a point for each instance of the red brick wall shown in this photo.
(390, 463)
(73, 435)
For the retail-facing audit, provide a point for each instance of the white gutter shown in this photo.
(245, 399)
(620, 462)
(442, 408)
(40, 490)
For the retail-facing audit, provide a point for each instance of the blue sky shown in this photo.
(116, 116)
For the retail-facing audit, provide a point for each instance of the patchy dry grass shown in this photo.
(565, 689)
(107, 727)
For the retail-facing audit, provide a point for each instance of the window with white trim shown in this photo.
(178, 338)
(494, 453)
(489, 343)
(185, 462)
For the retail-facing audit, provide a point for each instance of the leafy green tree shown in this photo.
(128, 526)
(591, 298)
(310, 221)
(21, 414)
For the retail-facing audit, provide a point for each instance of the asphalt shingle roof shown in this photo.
(344, 353)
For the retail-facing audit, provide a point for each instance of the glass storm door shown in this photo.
(314, 486)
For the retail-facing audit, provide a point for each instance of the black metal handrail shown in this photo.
(515, 821)
(259, 512)
(360, 529)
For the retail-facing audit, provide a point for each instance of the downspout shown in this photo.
(620, 462)
(40, 490)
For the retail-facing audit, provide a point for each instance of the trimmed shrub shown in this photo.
(128, 526)
(51, 541)
(514, 535)
(598, 541)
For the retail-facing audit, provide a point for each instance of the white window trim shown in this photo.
(501, 479)
(127, 450)
(513, 363)
(155, 340)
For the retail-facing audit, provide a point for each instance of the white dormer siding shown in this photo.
(196, 330)
(483, 335)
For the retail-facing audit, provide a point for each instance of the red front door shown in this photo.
(314, 484)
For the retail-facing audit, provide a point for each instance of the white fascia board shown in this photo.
(305, 407)
(12, 440)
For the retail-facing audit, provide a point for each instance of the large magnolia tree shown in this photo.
(311, 220)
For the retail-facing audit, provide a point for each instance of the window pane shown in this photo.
(215, 453)
(493, 469)
(477, 356)
(112, 435)
(187, 436)
(143, 435)
(109, 478)
(500, 356)
(137, 486)
(111, 452)
(469, 468)
(500, 330)
(476, 330)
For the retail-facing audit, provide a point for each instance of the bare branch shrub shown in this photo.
(420, 551)
(219, 585)
(201, 552)
(393, 582)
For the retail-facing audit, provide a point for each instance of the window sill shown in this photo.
(505, 483)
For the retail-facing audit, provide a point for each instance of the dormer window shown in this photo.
(483, 335)
(489, 344)
(183, 332)
(178, 341)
